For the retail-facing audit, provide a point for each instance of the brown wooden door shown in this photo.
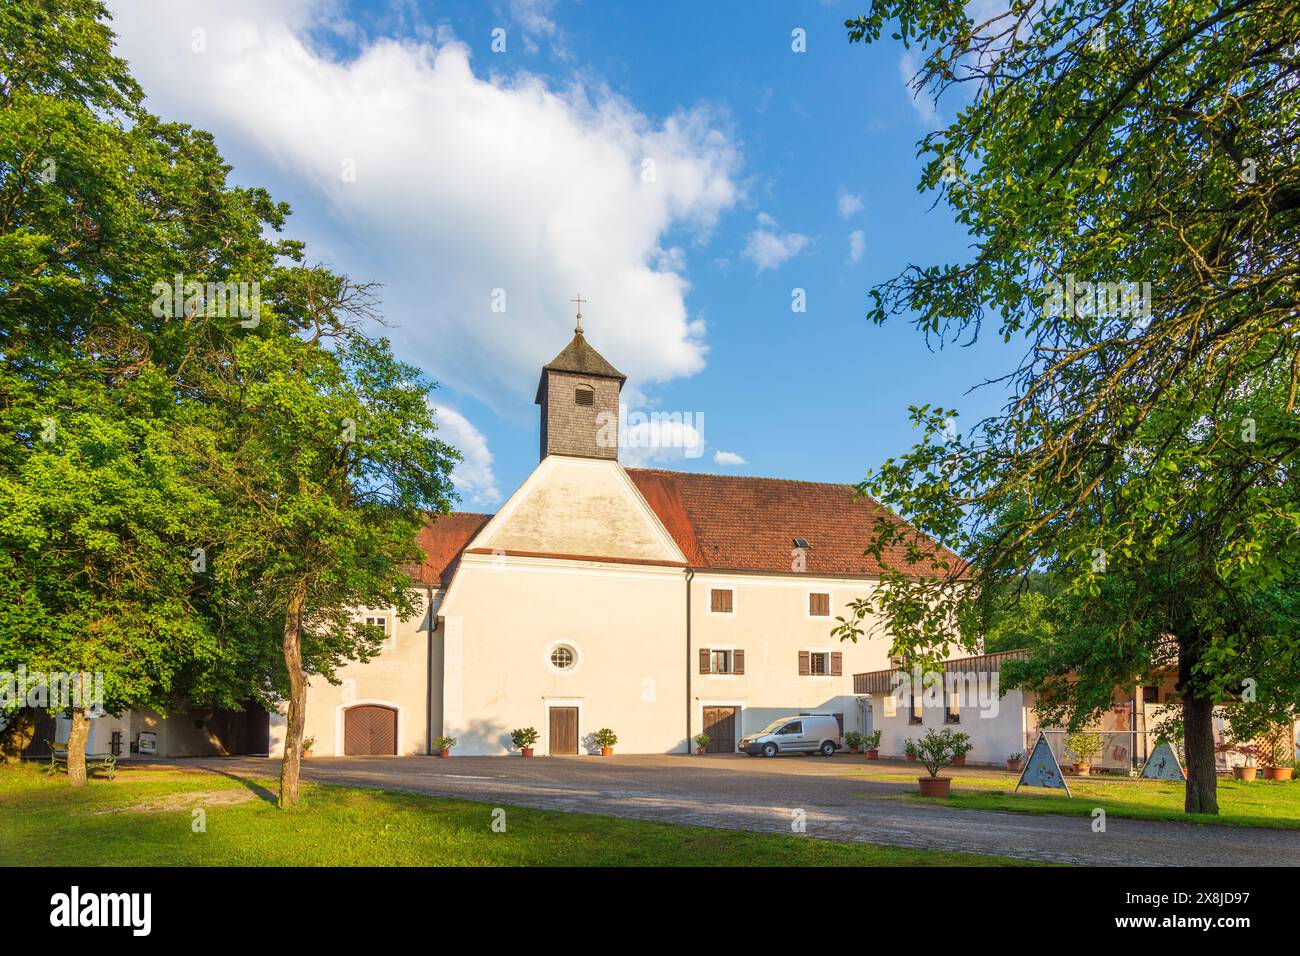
(720, 725)
(369, 731)
(564, 731)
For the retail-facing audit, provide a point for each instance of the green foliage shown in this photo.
(1143, 464)
(443, 743)
(939, 748)
(308, 743)
(175, 489)
(871, 741)
(605, 737)
(853, 739)
(524, 737)
(701, 740)
(1083, 746)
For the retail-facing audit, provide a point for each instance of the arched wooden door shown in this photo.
(369, 730)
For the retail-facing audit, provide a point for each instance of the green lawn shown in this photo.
(1261, 803)
(144, 817)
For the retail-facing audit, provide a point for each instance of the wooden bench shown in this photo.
(59, 761)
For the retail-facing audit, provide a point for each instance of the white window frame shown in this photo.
(563, 671)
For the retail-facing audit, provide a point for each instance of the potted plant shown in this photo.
(307, 744)
(524, 738)
(442, 745)
(910, 751)
(701, 743)
(1013, 761)
(605, 739)
(871, 744)
(1083, 747)
(853, 740)
(962, 745)
(937, 750)
(1247, 770)
(1281, 768)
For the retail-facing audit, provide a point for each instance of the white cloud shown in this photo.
(473, 477)
(768, 247)
(848, 204)
(658, 437)
(909, 64)
(728, 458)
(464, 184)
(857, 245)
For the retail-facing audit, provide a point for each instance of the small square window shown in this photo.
(819, 663)
(819, 605)
(720, 662)
(720, 601)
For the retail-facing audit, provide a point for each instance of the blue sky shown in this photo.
(523, 174)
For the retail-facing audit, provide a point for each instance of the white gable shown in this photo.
(582, 507)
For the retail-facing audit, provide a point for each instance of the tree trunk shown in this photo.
(1198, 736)
(292, 763)
(19, 729)
(77, 748)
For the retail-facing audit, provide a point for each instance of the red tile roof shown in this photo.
(726, 522)
(443, 539)
(722, 523)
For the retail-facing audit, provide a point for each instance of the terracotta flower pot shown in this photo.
(607, 751)
(1244, 773)
(1083, 769)
(698, 750)
(1013, 765)
(306, 753)
(444, 753)
(873, 754)
(526, 751)
(911, 759)
(959, 761)
(1277, 773)
(934, 786)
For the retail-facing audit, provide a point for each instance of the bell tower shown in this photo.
(578, 392)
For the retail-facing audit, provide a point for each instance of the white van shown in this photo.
(806, 734)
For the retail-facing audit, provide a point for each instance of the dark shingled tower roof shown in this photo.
(579, 358)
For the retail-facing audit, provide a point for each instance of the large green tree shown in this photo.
(176, 507)
(1127, 173)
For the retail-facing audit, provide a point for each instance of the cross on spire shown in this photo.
(579, 300)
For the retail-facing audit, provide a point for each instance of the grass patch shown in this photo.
(1262, 803)
(144, 818)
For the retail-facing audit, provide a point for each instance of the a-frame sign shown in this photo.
(1163, 764)
(1042, 770)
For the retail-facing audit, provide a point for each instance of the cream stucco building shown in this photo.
(658, 604)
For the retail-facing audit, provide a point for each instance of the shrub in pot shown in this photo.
(1083, 747)
(307, 744)
(910, 751)
(871, 744)
(1283, 768)
(1014, 760)
(1247, 770)
(524, 738)
(605, 739)
(937, 750)
(962, 745)
(442, 745)
(702, 743)
(853, 740)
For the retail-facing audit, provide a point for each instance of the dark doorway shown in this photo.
(564, 731)
(720, 725)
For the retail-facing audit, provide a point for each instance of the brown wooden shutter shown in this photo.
(738, 662)
(721, 599)
(804, 667)
(837, 663)
(819, 605)
(704, 660)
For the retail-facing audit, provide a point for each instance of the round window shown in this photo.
(562, 657)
